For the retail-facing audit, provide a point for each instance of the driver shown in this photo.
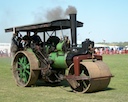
(27, 39)
(36, 39)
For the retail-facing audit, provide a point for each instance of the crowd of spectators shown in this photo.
(101, 51)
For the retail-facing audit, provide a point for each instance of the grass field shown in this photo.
(117, 90)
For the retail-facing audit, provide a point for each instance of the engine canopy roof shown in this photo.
(42, 27)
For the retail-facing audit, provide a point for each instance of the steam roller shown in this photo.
(94, 76)
(55, 59)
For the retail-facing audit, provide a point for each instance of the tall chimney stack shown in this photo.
(73, 24)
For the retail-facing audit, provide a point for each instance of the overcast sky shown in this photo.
(103, 19)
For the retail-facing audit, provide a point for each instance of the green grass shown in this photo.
(117, 90)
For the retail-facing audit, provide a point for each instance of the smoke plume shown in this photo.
(54, 14)
(71, 10)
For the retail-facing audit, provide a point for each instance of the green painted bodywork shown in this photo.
(29, 50)
(59, 56)
(59, 46)
(59, 59)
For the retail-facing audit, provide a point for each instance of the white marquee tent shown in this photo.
(5, 49)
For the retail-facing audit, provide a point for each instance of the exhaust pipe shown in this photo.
(73, 24)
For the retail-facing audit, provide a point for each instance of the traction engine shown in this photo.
(55, 59)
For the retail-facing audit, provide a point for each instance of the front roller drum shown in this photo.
(94, 76)
(24, 65)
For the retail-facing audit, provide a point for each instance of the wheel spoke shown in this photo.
(25, 78)
(27, 72)
(83, 74)
(21, 59)
(28, 66)
(81, 85)
(24, 60)
(19, 69)
(85, 85)
(23, 69)
(21, 75)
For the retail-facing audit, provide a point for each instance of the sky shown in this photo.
(104, 20)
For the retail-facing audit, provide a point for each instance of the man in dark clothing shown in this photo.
(15, 45)
(36, 39)
(27, 39)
